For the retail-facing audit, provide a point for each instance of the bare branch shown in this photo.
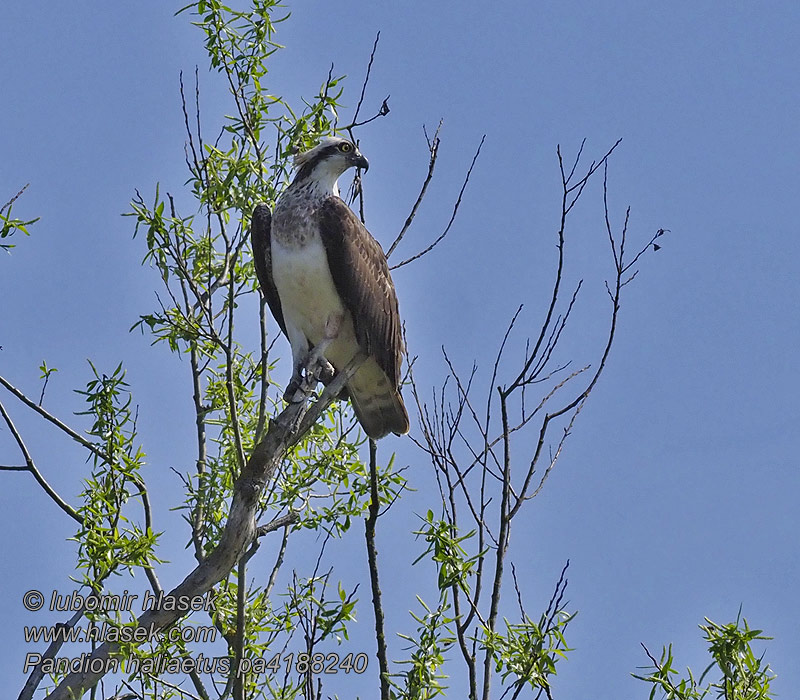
(433, 148)
(566, 206)
(278, 561)
(31, 467)
(382, 112)
(651, 242)
(558, 595)
(554, 457)
(15, 197)
(44, 386)
(172, 686)
(366, 82)
(94, 449)
(452, 217)
(372, 559)
(277, 523)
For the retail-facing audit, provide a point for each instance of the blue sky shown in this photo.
(676, 495)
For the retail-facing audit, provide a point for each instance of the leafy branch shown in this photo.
(8, 225)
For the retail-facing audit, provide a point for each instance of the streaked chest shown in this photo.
(294, 221)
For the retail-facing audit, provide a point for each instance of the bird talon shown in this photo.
(293, 393)
(326, 372)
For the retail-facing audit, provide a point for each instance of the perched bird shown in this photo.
(327, 283)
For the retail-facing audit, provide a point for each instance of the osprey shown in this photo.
(327, 283)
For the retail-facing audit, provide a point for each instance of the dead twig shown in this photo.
(30, 466)
(433, 149)
(441, 236)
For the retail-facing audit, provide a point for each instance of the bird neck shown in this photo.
(321, 181)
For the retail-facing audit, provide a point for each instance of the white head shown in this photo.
(326, 162)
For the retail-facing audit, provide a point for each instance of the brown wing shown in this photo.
(361, 275)
(260, 228)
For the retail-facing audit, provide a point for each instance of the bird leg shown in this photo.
(293, 392)
(317, 368)
(325, 371)
(316, 362)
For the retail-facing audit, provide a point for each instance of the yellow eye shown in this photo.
(345, 147)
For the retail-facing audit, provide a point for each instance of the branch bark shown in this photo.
(372, 557)
(240, 529)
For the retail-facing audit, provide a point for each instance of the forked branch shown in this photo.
(456, 206)
(30, 466)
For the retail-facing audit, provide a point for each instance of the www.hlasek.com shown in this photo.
(123, 634)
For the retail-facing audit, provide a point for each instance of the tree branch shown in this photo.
(285, 430)
(94, 449)
(372, 558)
(366, 78)
(37, 675)
(433, 148)
(452, 217)
(31, 467)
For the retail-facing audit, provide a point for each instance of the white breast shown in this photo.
(309, 297)
(305, 286)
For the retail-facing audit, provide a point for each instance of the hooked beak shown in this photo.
(360, 162)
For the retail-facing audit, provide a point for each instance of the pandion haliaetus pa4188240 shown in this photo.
(327, 283)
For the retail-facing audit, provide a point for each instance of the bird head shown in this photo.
(328, 160)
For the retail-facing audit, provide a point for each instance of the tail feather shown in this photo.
(378, 405)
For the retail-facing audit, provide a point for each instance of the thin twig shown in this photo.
(15, 197)
(566, 206)
(372, 559)
(433, 148)
(366, 79)
(382, 112)
(452, 217)
(31, 467)
(94, 449)
(172, 686)
(278, 562)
